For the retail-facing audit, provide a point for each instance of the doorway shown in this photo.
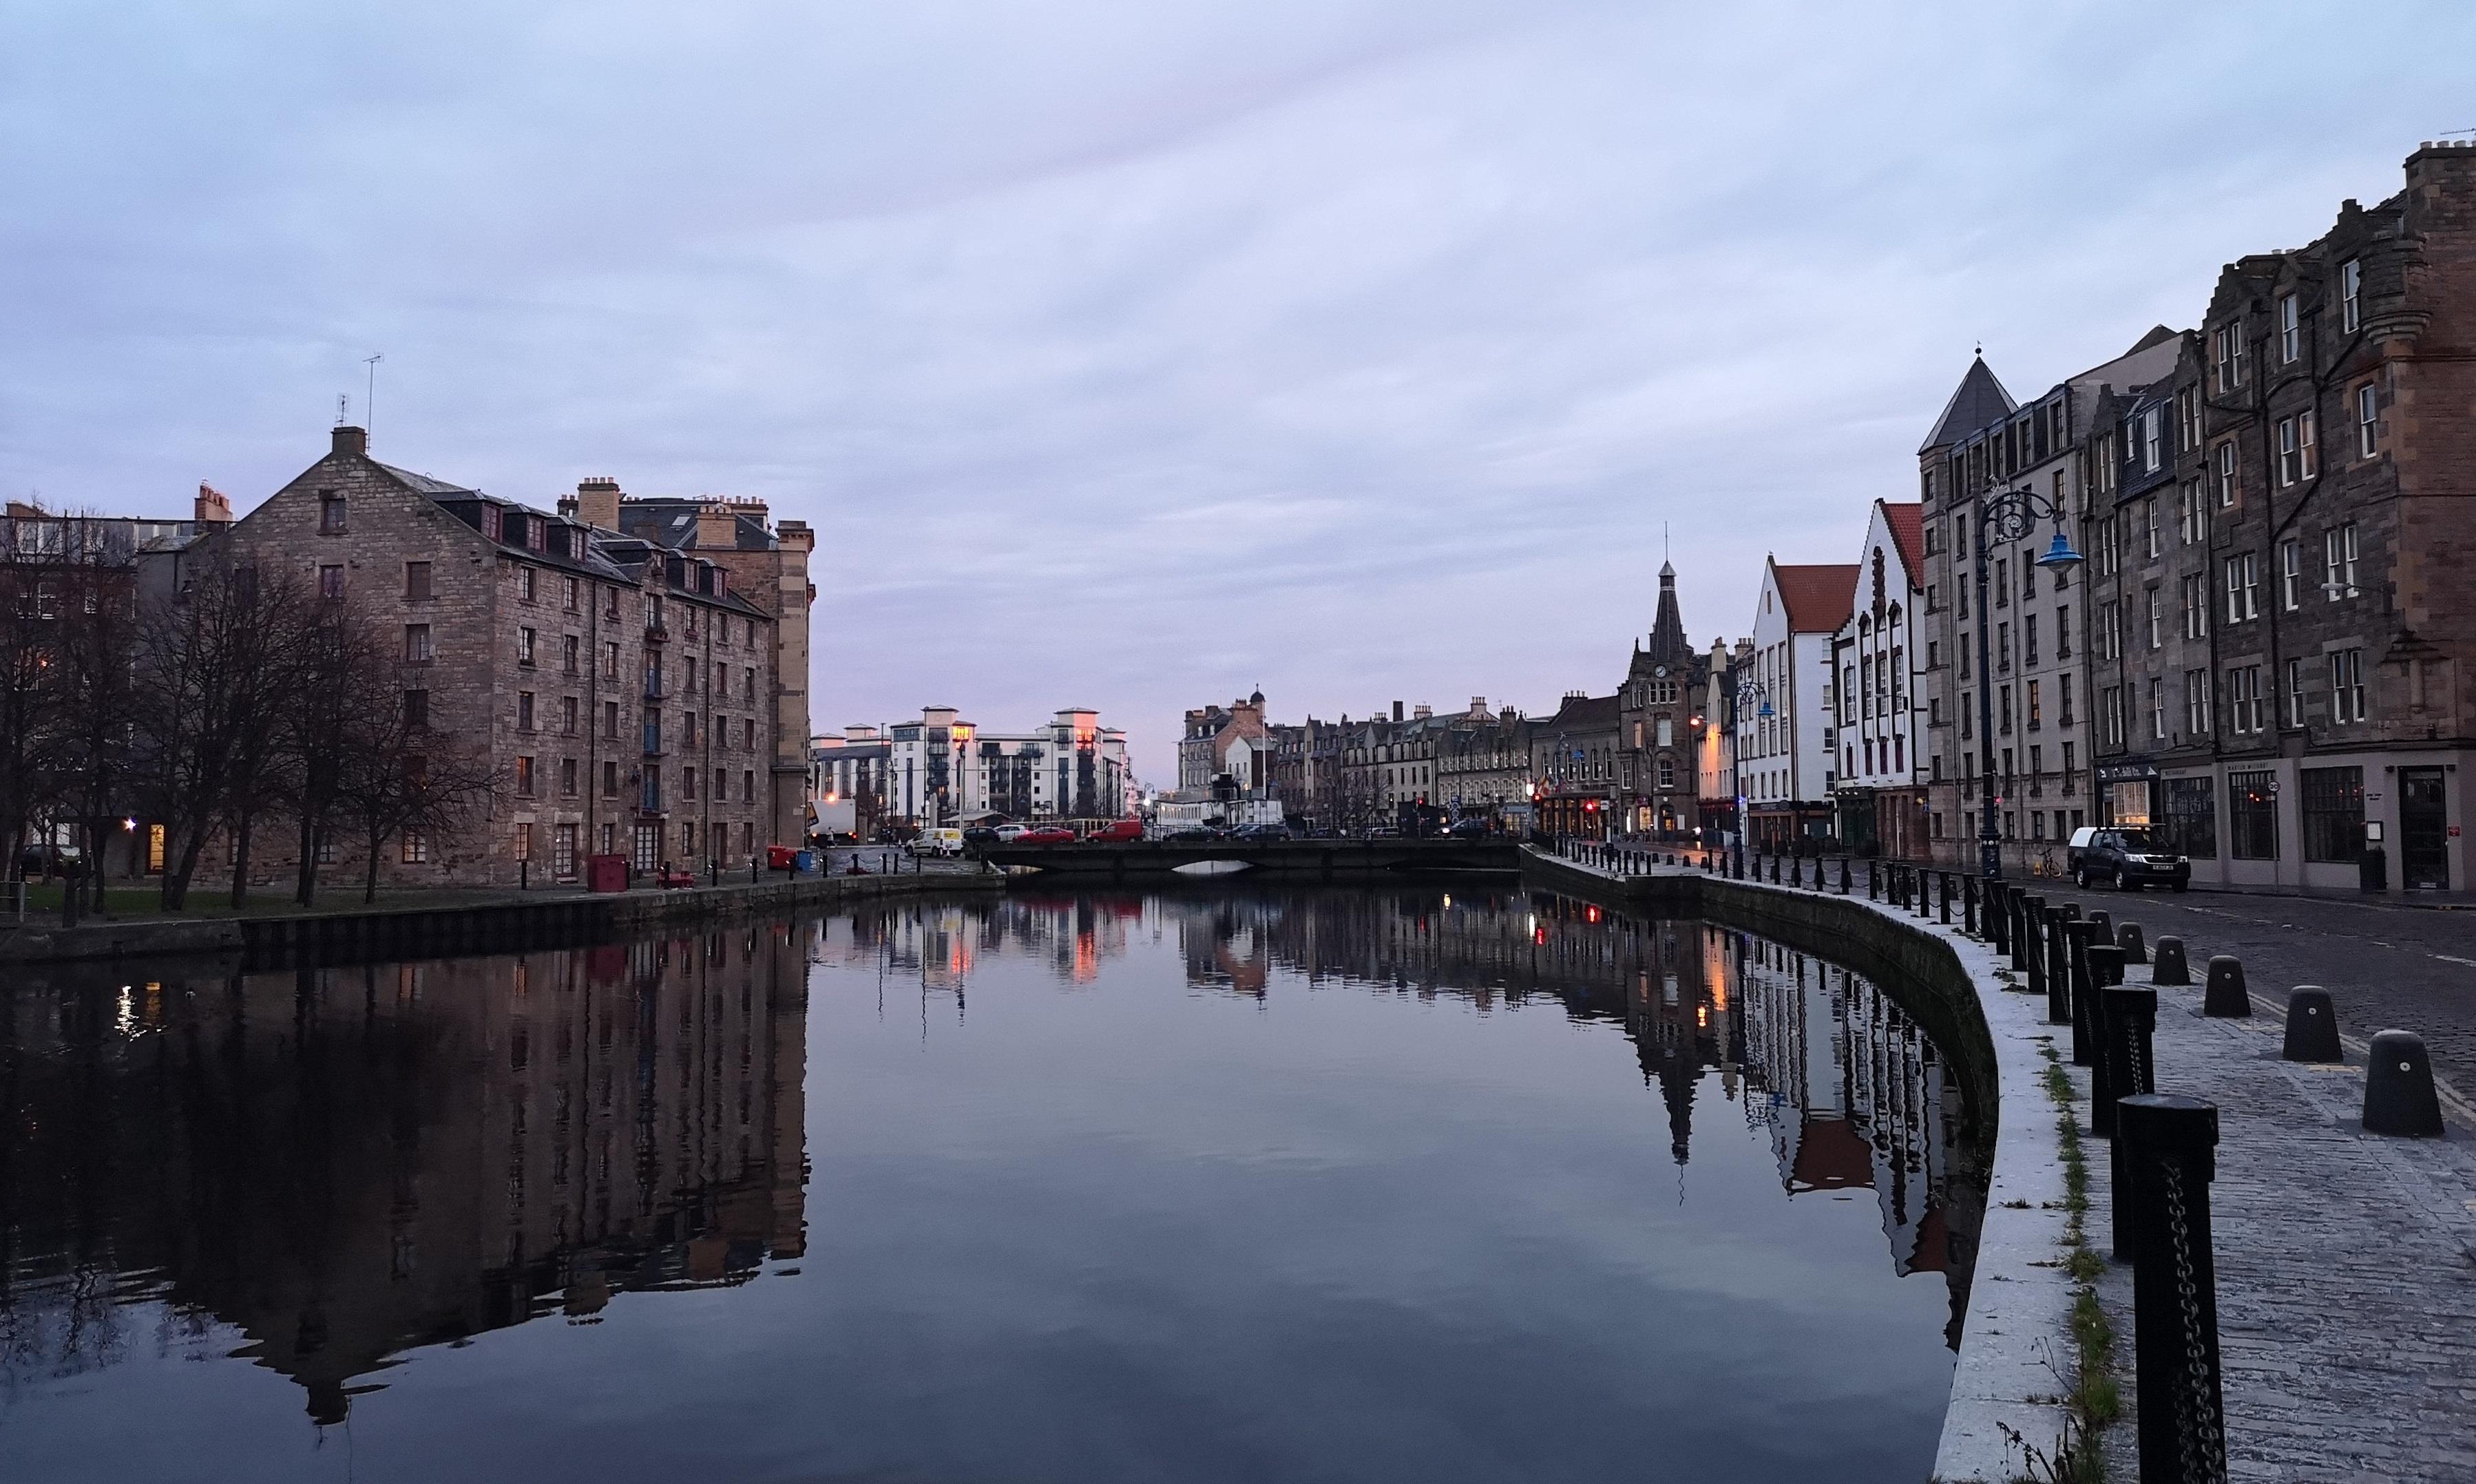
(2424, 830)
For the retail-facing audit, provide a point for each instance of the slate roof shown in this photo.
(1978, 401)
(1819, 598)
(672, 523)
(1583, 711)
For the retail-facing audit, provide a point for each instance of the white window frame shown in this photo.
(2351, 295)
(2290, 331)
(2368, 428)
(2291, 574)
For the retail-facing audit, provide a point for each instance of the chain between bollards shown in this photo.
(2168, 1163)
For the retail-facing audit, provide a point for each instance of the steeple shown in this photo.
(1668, 640)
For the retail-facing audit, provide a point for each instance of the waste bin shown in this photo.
(780, 857)
(606, 873)
(808, 861)
(2374, 870)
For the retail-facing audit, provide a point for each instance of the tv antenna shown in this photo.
(341, 398)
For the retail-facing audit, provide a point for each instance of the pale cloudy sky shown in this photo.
(1136, 353)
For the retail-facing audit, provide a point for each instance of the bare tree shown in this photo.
(30, 690)
(339, 685)
(213, 665)
(401, 780)
(94, 657)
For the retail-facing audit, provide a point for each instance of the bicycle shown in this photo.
(2045, 864)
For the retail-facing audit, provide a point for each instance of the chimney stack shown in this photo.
(597, 502)
(1396, 711)
(212, 508)
(350, 442)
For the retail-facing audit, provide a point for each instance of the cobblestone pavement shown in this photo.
(2346, 1263)
(2386, 966)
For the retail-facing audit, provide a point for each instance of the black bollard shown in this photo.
(2132, 1015)
(2169, 967)
(2106, 970)
(1797, 871)
(2312, 1024)
(2225, 995)
(1942, 890)
(2175, 1288)
(2105, 922)
(1925, 892)
(2059, 968)
(2398, 1087)
(1997, 917)
(2019, 897)
(2034, 914)
(1969, 905)
(1873, 880)
(2083, 992)
(1844, 883)
(2128, 937)
(1775, 870)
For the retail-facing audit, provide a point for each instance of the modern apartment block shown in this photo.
(943, 771)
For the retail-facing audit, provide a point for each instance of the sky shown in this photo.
(1137, 355)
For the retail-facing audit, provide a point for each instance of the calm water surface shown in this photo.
(1296, 1186)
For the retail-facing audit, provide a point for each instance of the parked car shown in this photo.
(1117, 830)
(1468, 829)
(938, 842)
(1046, 834)
(980, 834)
(1194, 832)
(2126, 857)
(1260, 831)
(41, 860)
(1007, 835)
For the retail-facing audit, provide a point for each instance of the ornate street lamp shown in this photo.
(2013, 514)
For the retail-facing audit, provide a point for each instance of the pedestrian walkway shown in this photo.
(2346, 1261)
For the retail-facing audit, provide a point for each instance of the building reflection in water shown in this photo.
(346, 1163)
(1851, 1093)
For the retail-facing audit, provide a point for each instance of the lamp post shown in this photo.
(1748, 691)
(2012, 513)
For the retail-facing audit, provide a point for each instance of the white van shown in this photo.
(938, 842)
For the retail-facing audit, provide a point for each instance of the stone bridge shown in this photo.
(1316, 860)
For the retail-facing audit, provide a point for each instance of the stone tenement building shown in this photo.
(2322, 516)
(626, 692)
(768, 567)
(2261, 657)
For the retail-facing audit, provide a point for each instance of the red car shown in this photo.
(1046, 834)
(1118, 830)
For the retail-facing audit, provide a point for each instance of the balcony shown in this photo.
(656, 634)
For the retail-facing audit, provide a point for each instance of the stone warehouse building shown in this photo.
(626, 689)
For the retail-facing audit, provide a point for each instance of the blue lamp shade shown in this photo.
(1766, 710)
(2059, 556)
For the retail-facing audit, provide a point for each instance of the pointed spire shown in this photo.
(1978, 401)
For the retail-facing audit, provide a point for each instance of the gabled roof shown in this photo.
(1978, 400)
(1818, 597)
(1580, 712)
(1908, 522)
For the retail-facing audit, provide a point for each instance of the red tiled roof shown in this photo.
(1818, 597)
(1830, 1156)
(1908, 523)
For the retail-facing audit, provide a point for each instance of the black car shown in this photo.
(980, 834)
(1468, 829)
(1193, 832)
(1260, 832)
(37, 861)
(2125, 857)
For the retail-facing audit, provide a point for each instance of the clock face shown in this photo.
(1660, 670)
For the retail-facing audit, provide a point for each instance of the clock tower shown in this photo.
(1659, 728)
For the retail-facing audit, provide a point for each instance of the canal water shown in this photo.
(1220, 1186)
